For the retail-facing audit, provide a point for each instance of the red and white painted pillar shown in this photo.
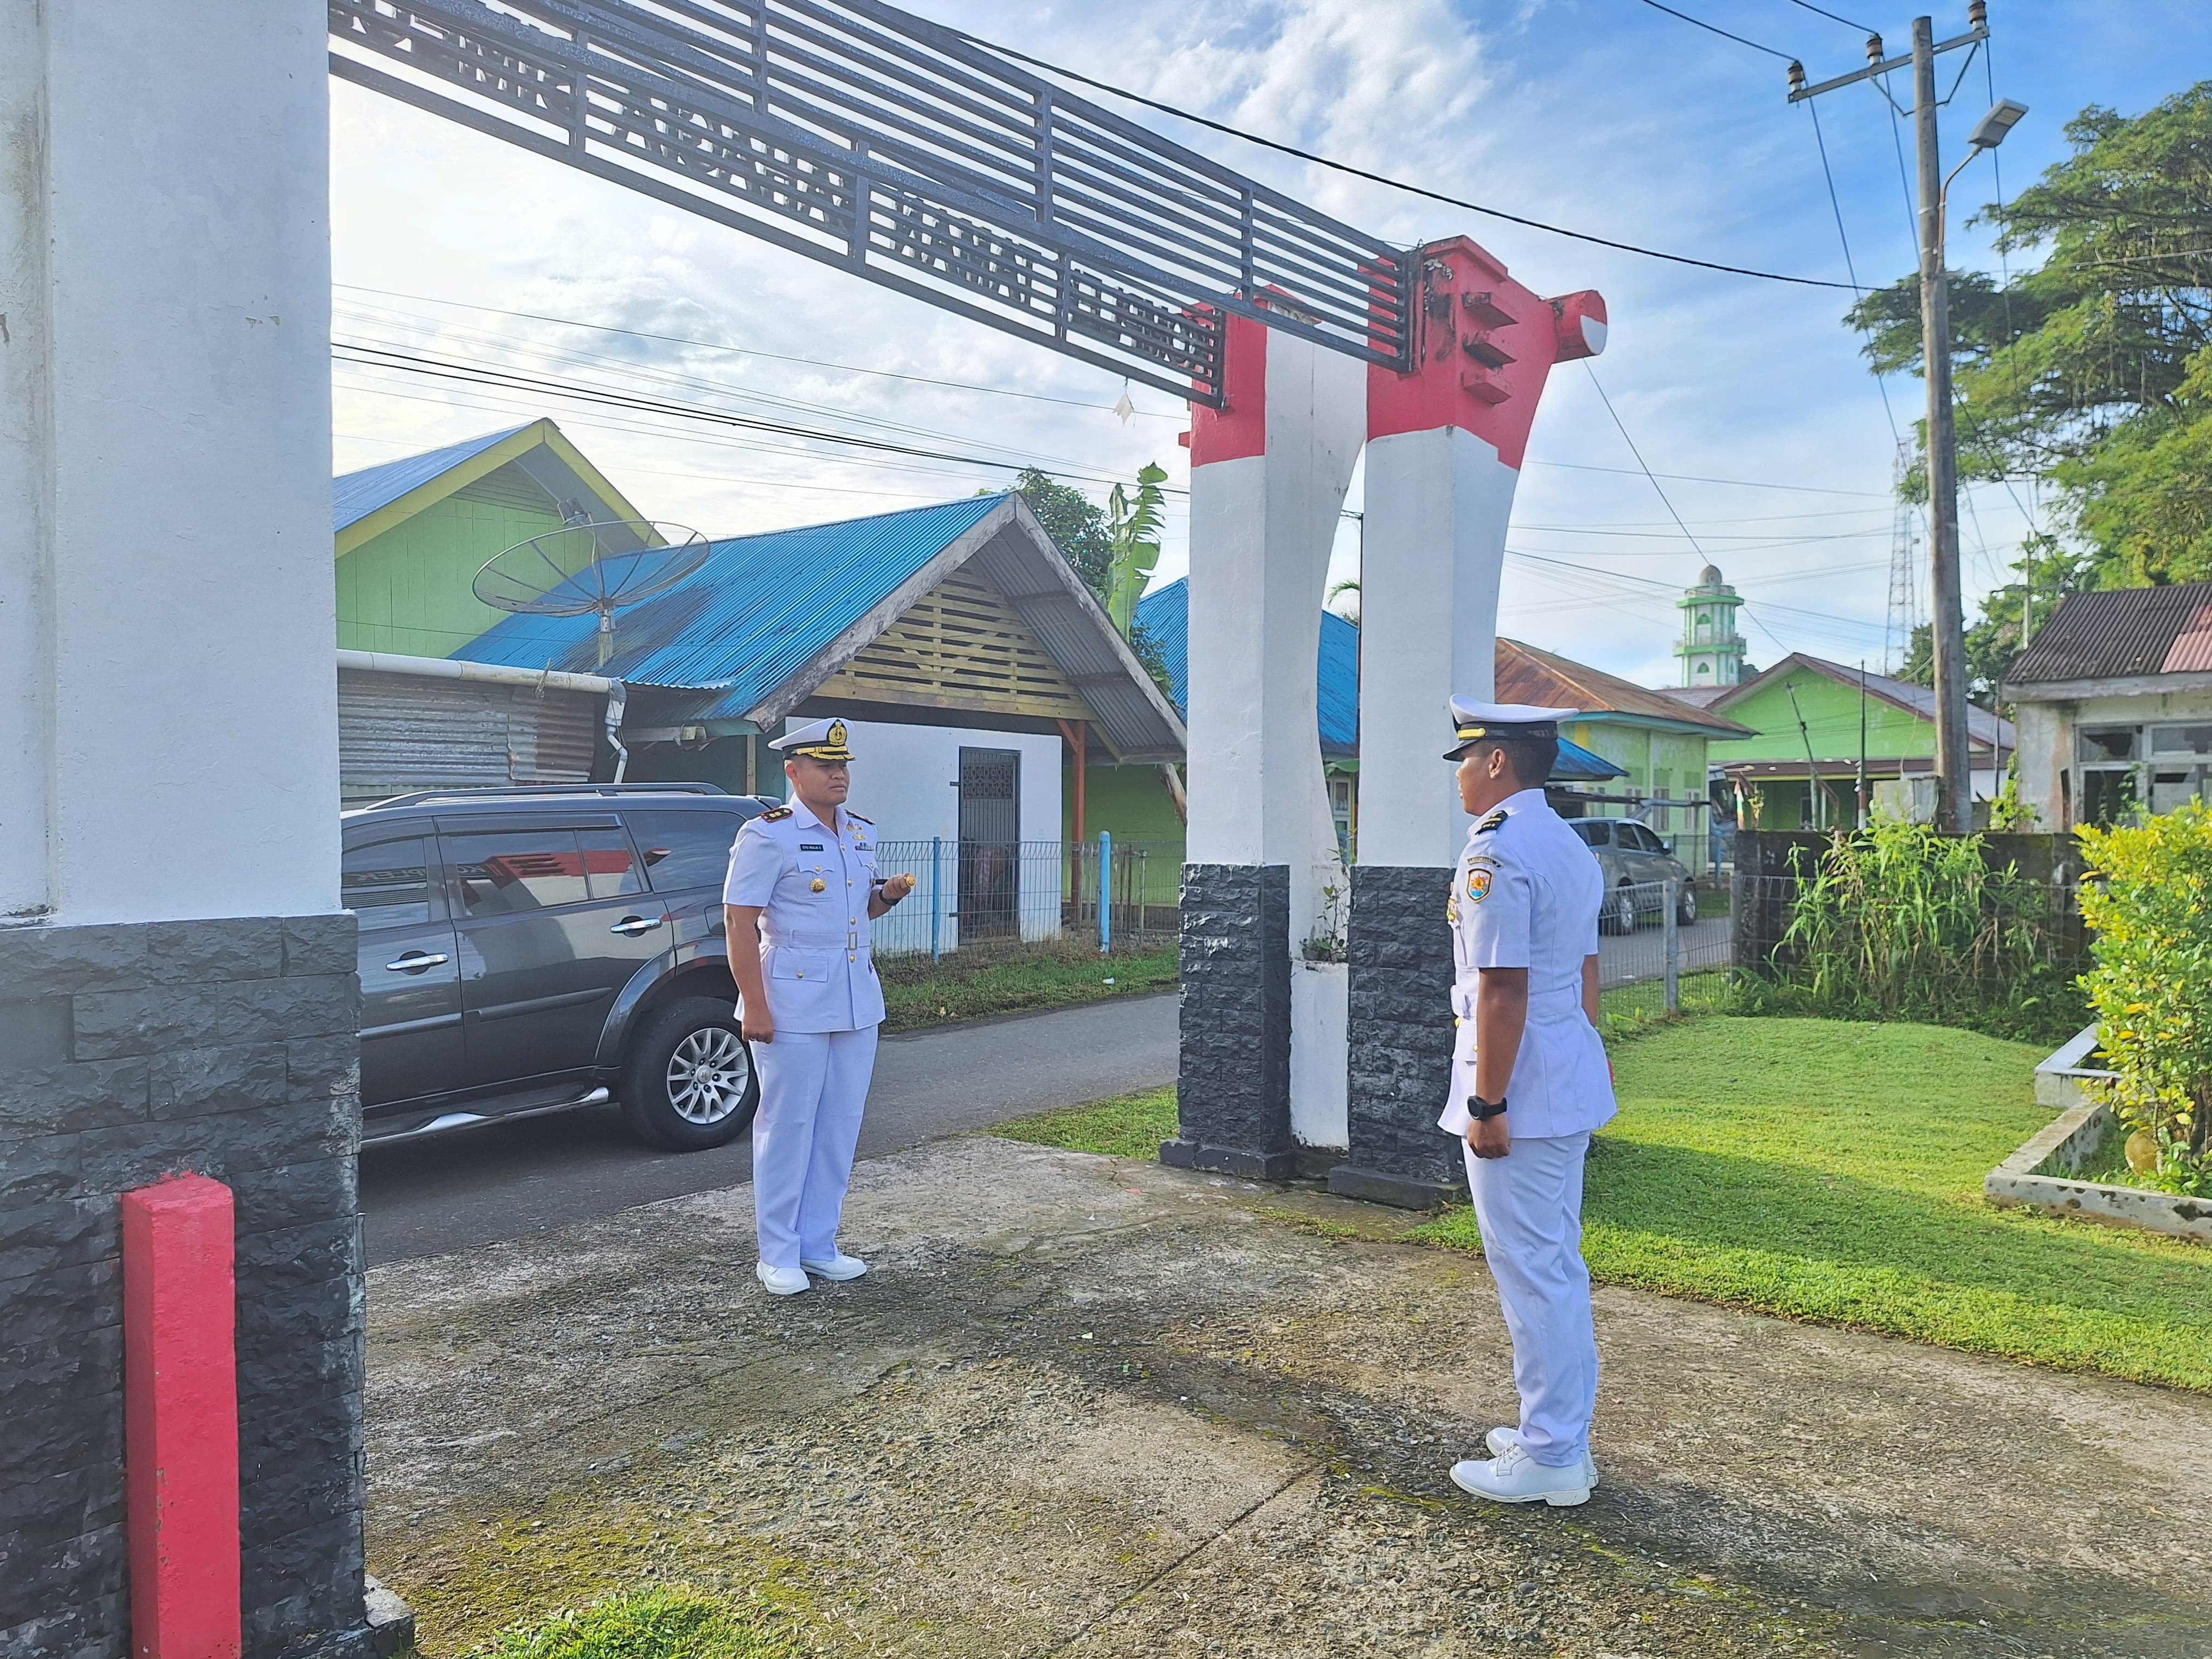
(1267, 479)
(1443, 453)
(1445, 447)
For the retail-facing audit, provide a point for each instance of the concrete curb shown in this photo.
(2039, 1175)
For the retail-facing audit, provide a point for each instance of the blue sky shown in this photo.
(1604, 115)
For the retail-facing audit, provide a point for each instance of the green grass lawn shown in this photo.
(1833, 1172)
(974, 982)
(654, 1622)
(1127, 1126)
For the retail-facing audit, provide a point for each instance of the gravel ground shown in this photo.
(1094, 1408)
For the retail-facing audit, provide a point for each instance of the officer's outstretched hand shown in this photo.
(758, 1025)
(1489, 1138)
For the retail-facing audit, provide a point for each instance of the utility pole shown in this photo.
(1948, 622)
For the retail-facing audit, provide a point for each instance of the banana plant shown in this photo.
(1132, 525)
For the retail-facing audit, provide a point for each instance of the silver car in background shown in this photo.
(1634, 857)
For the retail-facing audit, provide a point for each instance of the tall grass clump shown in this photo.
(2151, 904)
(1899, 922)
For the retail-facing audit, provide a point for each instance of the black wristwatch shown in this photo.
(877, 888)
(1483, 1110)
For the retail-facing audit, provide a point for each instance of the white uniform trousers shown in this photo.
(814, 1085)
(1529, 1205)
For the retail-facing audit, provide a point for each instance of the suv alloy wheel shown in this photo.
(1685, 905)
(1619, 915)
(688, 1083)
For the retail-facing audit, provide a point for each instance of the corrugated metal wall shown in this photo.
(397, 734)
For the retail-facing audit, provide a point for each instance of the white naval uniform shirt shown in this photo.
(811, 881)
(1526, 894)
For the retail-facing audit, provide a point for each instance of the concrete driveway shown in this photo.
(1092, 1408)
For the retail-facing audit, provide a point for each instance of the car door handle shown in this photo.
(416, 961)
(630, 926)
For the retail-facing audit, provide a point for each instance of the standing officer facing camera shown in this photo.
(801, 892)
(1523, 912)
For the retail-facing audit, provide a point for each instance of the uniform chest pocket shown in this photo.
(799, 964)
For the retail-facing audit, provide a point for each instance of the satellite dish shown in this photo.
(587, 567)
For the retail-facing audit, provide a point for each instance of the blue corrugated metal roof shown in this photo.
(1165, 614)
(759, 610)
(355, 496)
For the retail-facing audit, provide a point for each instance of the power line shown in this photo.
(1692, 477)
(745, 351)
(1638, 453)
(1851, 266)
(509, 379)
(1833, 17)
(1714, 28)
(1381, 178)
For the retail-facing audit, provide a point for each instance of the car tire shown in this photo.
(688, 1083)
(1685, 905)
(1619, 915)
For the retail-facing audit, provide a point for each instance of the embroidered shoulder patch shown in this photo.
(1477, 883)
(1493, 821)
(776, 814)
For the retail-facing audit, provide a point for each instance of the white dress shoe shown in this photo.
(1513, 1477)
(782, 1281)
(839, 1267)
(1498, 1439)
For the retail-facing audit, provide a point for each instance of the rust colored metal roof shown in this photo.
(1528, 675)
(2120, 633)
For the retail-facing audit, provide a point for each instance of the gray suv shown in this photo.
(526, 951)
(1632, 856)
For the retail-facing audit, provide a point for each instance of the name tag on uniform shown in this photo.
(812, 847)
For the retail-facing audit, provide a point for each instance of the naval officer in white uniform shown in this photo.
(802, 888)
(1530, 1081)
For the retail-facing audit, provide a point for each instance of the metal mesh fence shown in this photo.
(2000, 954)
(977, 895)
(1658, 944)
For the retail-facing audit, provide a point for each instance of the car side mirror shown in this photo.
(1667, 844)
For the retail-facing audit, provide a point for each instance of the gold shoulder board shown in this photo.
(1493, 821)
(850, 813)
(773, 813)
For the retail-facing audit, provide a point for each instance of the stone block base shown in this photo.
(1378, 1187)
(1233, 1080)
(226, 1047)
(1181, 1154)
(1400, 1035)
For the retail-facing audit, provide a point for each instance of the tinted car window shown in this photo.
(501, 871)
(609, 864)
(1596, 835)
(387, 884)
(1641, 838)
(685, 849)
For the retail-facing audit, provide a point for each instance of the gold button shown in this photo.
(802, 973)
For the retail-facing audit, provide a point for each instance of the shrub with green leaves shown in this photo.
(1898, 921)
(661, 1621)
(2152, 984)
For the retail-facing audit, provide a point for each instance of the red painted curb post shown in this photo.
(180, 1419)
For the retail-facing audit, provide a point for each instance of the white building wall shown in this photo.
(166, 597)
(2045, 732)
(906, 782)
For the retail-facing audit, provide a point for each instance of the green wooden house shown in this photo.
(412, 533)
(1818, 726)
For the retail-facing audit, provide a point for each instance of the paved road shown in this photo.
(1625, 958)
(460, 1191)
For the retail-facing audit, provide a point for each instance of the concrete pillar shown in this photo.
(1268, 475)
(1444, 449)
(177, 989)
